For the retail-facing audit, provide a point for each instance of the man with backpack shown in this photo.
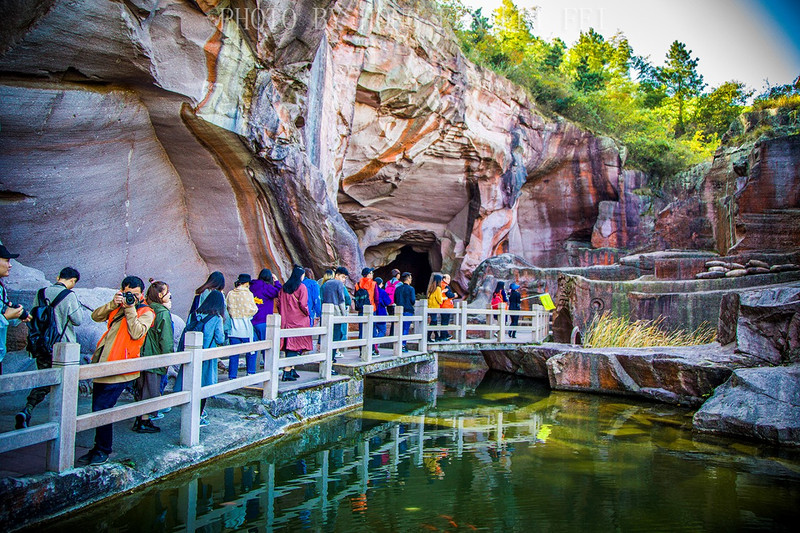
(10, 314)
(365, 293)
(55, 313)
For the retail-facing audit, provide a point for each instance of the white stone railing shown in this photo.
(64, 422)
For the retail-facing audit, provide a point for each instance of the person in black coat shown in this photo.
(405, 297)
(514, 304)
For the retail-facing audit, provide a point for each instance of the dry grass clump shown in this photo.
(607, 331)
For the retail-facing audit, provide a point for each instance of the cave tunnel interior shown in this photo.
(408, 260)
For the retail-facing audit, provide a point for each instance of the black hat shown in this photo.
(365, 271)
(5, 254)
(343, 270)
(243, 278)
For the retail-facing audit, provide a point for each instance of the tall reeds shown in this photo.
(607, 330)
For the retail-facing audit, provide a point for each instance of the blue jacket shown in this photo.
(405, 297)
(314, 301)
(4, 322)
(383, 300)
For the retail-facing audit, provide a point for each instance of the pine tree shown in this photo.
(682, 81)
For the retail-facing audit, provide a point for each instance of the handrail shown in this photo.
(66, 373)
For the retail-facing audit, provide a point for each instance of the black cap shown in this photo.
(365, 271)
(343, 270)
(243, 278)
(5, 254)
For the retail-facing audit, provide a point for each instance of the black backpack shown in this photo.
(43, 330)
(192, 325)
(360, 299)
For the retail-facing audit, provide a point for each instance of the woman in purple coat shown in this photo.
(292, 304)
(265, 289)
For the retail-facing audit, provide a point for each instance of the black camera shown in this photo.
(24, 314)
(129, 298)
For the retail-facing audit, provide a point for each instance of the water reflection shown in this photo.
(502, 453)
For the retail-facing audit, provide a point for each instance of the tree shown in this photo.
(514, 30)
(680, 78)
(721, 106)
(554, 55)
(586, 79)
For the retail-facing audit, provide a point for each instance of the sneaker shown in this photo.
(93, 457)
(158, 416)
(21, 420)
(145, 426)
(167, 410)
(204, 421)
(405, 348)
(98, 458)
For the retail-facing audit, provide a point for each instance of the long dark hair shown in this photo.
(435, 281)
(500, 287)
(294, 280)
(214, 304)
(215, 281)
(265, 275)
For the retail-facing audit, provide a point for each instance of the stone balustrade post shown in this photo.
(367, 330)
(421, 309)
(501, 337)
(462, 322)
(64, 406)
(192, 383)
(326, 322)
(398, 346)
(273, 356)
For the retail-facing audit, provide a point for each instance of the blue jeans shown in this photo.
(233, 361)
(339, 334)
(407, 325)
(105, 396)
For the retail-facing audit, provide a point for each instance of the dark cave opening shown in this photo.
(408, 260)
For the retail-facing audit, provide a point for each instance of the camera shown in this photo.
(129, 298)
(24, 314)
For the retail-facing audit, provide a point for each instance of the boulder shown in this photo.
(784, 268)
(713, 274)
(757, 270)
(529, 361)
(763, 325)
(676, 375)
(755, 263)
(759, 403)
(736, 273)
(715, 263)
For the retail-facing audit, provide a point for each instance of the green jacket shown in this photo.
(159, 338)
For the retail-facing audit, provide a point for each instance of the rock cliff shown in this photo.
(171, 138)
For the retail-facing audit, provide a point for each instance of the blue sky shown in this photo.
(746, 40)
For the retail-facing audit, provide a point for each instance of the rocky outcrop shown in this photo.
(675, 375)
(174, 138)
(764, 323)
(757, 403)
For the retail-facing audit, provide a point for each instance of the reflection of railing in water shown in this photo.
(414, 438)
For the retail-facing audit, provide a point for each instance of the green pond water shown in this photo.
(477, 451)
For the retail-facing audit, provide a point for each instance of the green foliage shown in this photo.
(663, 114)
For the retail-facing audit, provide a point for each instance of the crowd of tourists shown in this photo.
(139, 323)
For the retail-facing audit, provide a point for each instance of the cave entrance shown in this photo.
(409, 260)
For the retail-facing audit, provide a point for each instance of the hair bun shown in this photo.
(151, 280)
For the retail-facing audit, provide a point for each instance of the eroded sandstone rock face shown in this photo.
(759, 403)
(171, 138)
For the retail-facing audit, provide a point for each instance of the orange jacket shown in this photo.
(117, 343)
(369, 284)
